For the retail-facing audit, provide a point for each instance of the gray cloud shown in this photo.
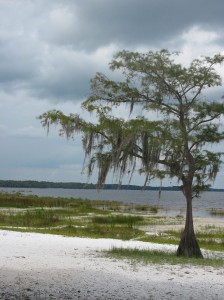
(131, 22)
(49, 51)
(47, 48)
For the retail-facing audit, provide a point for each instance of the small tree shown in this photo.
(173, 145)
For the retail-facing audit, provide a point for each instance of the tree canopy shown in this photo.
(176, 144)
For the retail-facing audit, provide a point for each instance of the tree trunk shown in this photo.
(188, 245)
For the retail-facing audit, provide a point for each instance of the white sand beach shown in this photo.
(38, 266)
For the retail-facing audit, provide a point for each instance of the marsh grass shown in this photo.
(216, 212)
(39, 217)
(122, 233)
(159, 257)
(114, 220)
(159, 239)
(95, 231)
(146, 208)
(213, 240)
(207, 240)
(153, 209)
(95, 219)
(18, 200)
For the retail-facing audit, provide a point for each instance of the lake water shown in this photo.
(170, 202)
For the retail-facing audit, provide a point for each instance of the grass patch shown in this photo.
(114, 220)
(95, 232)
(216, 212)
(102, 232)
(39, 217)
(146, 208)
(210, 241)
(18, 200)
(160, 257)
(95, 219)
(159, 239)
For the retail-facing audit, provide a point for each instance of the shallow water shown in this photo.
(172, 203)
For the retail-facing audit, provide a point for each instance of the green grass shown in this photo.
(18, 200)
(29, 218)
(207, 240)
(210, 241)
(216, 212)
(146, 208)
(80, 231)
(95, 219)
(159, 257)
(114, 220)
(160, 239)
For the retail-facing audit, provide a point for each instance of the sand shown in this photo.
(38, 266)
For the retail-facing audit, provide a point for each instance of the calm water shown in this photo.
(172, 202)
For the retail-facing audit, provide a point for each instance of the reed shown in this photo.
(114, 220)
(160, 257)
(96, 219)
(216, 212)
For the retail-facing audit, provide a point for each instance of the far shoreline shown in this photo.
(80, 185)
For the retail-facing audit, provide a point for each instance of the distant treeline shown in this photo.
(75, 185)
(79, 185)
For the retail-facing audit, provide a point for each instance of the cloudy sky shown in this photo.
(50, 49)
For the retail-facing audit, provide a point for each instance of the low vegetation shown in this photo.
(217, 212)
(160, 257)
(97, 219)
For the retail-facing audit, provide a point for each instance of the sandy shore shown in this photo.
(36, 266)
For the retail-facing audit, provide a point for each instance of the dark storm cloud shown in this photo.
(132, 22)
(49, 51)
(147, 22)
(48, 47)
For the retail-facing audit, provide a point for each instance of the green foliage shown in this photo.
(176, 144)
